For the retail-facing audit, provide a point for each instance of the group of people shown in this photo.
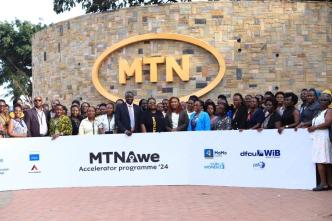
(251, 112)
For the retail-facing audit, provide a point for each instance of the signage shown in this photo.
(133, 69)
(179, 158)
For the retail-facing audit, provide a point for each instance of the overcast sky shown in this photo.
(34, 11)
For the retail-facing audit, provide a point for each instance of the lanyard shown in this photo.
(109, 123)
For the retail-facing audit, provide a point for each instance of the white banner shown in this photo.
(220, 158)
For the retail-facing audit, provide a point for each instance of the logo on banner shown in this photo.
(262, 153)
(34, 157)
(34, 169)
(3, 170)
(215, 166)
(259, 165)
(211, 153)
(124, 161)
(174, 65)
(124, 157)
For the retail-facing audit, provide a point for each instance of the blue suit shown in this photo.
(202, 123)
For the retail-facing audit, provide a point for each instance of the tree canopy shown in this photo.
(92, 6)
(15, 56)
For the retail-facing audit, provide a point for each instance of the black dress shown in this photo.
(240, 118)
(287, 117)
(75, 122)
(153, 122)
(270, 121)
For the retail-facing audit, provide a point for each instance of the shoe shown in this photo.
(321, 188)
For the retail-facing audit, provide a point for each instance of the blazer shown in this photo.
(122, 119)
(203, 122)
(31, 120)
(240, 118)
(182, 122)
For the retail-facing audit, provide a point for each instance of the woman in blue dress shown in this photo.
(200, 120)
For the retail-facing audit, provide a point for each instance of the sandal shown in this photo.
(321, 188)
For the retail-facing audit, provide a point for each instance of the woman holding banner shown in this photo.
(60, 125)
(322, 147)
(152, 120)
(200, 120)
(273, 119)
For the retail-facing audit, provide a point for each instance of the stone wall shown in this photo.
(266, 45)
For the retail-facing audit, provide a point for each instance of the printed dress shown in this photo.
(61, 125)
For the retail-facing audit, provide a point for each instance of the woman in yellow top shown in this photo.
(4, 119)
(60, 125)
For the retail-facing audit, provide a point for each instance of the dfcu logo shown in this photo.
(210, 153)
(260, 165)
(34, 157)
(123, 157)
(262, 153)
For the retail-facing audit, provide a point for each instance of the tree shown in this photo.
(92, 6)
(15, 56)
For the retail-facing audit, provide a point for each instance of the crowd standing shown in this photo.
(253, 112)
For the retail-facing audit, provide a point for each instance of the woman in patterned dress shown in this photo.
(17, 126)
(60, 125)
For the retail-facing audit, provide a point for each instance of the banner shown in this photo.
(219, 158)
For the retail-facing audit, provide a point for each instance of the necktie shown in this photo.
(131, 116)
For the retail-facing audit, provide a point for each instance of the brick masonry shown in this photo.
(266, 45)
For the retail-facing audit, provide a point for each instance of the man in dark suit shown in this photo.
(37, 119)
(127, 116)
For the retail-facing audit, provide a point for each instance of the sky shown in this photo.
(35, 11)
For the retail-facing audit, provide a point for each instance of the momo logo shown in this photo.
(171, 64)
(208, 153)
(211, 153)
(260, 165)
(262, 153)
(123, 157)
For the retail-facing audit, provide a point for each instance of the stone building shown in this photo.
(267, 45)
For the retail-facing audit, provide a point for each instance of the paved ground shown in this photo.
(165, 203)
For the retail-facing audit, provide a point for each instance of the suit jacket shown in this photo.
(31, 120)
(122, 119)
(240, 118)
(182, 122)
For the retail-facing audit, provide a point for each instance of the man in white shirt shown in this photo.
(127, 115)
(37, 119)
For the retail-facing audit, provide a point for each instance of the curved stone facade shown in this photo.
(266, 46)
